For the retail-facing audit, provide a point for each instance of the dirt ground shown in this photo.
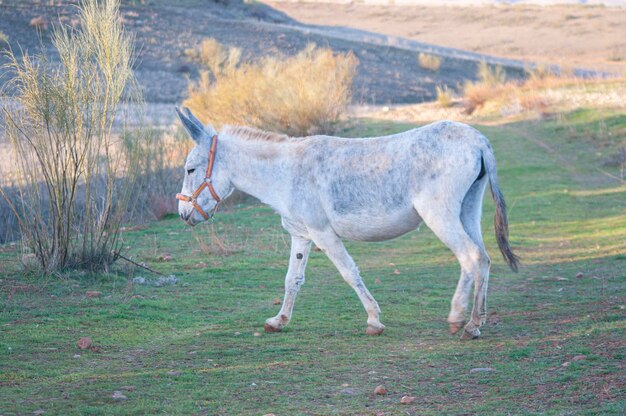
(592, 37)
(386, 74)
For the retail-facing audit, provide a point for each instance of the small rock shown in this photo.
(139, 280)
(276, 301)
(565, 364)
(349, 391)
(165, 281)
(117, 395)
(173, 373)
(381, 390)
(92, 294)
(579, 275)
(377, 281)
(76, 356)
(481, 370)
(407, 399)
(396, 271)
(84, 343)
(579, 357)
(257, 334)
(237, 333)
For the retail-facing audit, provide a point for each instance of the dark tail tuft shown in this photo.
(501, 224)
(500, 220)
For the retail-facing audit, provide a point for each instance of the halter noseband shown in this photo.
(205, 184)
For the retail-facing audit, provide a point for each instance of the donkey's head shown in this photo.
(205, 184)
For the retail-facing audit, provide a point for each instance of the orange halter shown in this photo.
(205, 184)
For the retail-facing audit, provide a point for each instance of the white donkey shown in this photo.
(373, 189)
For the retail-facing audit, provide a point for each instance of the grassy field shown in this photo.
(555, 338)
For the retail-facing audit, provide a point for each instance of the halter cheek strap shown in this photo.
(205, 184)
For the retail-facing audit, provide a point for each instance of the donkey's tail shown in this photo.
(500, 220)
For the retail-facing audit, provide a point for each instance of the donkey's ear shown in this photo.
(207, 127)
(196, 131)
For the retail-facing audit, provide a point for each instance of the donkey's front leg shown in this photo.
(331, 244)
(300, 249)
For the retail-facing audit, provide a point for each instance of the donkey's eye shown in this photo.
(190, 171)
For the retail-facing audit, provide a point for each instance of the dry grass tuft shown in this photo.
(300, 95)
(227, 238)
(492, 76)
(490, 85)
(445, 96)
(429, 62)
(542, 93)
(212, 242)
(4, 38)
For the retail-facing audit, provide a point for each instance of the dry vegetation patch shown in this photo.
(543, 92)
(300, 95)
(430, 62)
(69, 198)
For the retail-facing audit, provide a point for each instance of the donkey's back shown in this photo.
(368, 189)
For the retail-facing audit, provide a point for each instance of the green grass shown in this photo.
(191, 349)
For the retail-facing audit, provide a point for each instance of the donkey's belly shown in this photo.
(363, 227)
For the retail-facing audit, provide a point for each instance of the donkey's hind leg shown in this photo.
(300, 249)
(445, 222)
(471, 213)
(332, 245)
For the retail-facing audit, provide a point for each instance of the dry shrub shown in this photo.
(215, 56)
(300, 95)
(445, 96)
(490, 85)
(429, 62)
(75, 180)
(4, 38)
(476, 94)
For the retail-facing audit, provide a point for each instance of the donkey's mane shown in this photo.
(252, 134)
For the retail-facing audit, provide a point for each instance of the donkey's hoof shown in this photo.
(456, 327)
(270, 328)
(375, 329)
(470, 333)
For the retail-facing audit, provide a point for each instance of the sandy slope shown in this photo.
(584, 36)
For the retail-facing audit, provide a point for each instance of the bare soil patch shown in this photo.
(569, 35)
